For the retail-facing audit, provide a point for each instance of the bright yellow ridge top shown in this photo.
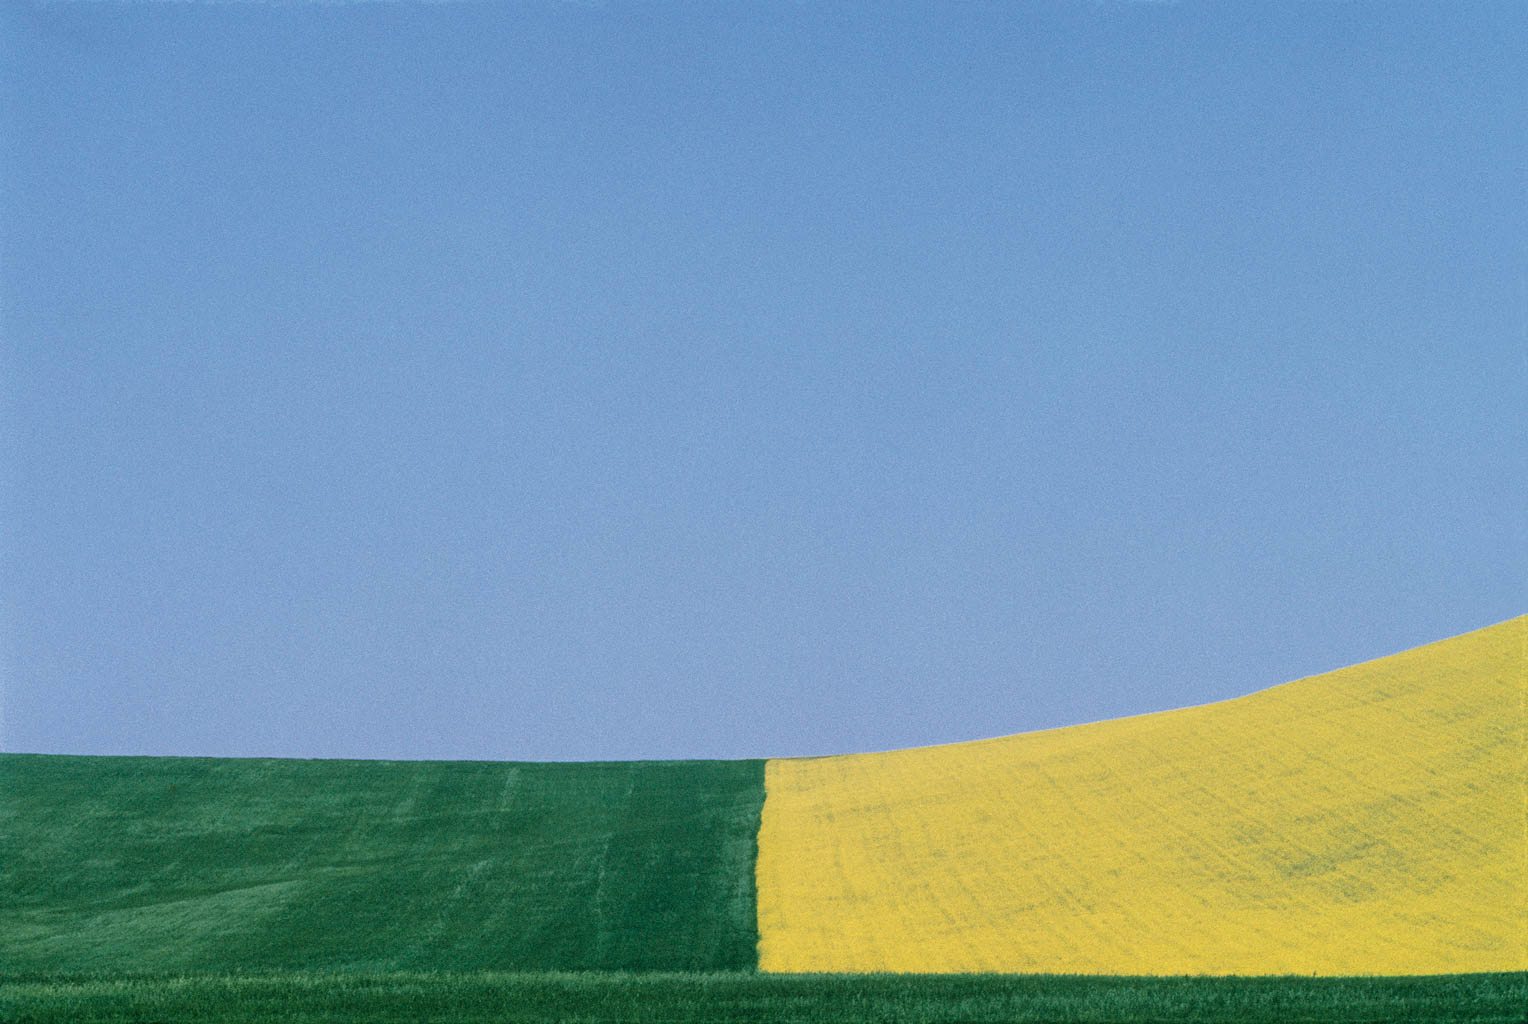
(1372, 820)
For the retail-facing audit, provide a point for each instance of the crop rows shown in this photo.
(1366, 821)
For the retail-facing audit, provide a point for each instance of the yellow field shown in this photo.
(1372, 820)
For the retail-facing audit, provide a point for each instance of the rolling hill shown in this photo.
(1366, 821)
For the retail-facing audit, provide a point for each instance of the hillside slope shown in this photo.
(1366, 821)
(1372, 820)
(191, 864)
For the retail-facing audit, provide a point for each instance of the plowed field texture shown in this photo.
(1347, 847)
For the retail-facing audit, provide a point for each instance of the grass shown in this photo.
(134, 865)
(572, 998)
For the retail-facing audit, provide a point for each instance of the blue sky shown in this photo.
(560, 381)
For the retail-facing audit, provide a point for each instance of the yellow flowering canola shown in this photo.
(1372, 820)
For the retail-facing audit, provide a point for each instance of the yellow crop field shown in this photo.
(1372, 820)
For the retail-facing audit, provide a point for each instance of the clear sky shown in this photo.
(576, 381)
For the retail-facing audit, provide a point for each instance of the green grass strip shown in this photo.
(676, 998)
(129, 865)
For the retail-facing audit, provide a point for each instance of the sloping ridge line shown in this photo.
(1369, 820)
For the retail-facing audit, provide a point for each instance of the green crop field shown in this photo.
(354, 998)
(190, 864)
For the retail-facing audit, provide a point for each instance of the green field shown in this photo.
(916, 999)
(196, 864)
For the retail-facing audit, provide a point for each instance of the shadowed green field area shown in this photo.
(915, 999)
(140, 864)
